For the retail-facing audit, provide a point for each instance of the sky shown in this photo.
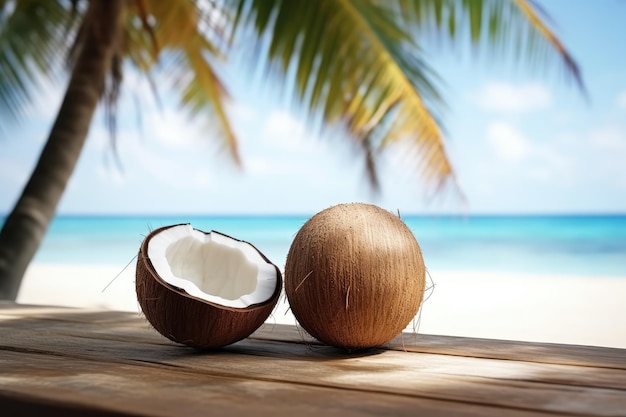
(522, 140)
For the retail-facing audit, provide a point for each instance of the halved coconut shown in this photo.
(204, 290)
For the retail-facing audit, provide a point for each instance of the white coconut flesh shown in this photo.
(212, 266)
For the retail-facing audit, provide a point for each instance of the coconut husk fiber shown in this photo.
(354, 276)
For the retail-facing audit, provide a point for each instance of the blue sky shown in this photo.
(522, 140)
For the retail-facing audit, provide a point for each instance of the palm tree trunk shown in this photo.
(26, 225)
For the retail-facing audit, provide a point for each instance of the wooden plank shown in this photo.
(509, 384)
(130, 328)
(17, 404)
(445, 345)
(450, 345)
(136, 331)
(475, 347)
(36, 384)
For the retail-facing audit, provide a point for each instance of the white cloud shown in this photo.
(508, 143)
(605, 150)
(258, 165)
(239, 112)
(181, 172)
(554, 156)
(202, 178)
(158, 158)
(505, 97)
(540, 162)
(281, 123)
(283, 131)
(175, 130)
(608, 138)
(621, 100)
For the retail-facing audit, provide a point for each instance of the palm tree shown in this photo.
(356, 65)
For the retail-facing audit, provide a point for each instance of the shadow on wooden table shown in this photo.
(57, 361)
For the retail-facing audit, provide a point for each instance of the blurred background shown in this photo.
(537, 186)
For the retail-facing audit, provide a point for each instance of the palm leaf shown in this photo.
(31, 39)
(183, 45)
(355, 65)
(517, 28)
(357, 62)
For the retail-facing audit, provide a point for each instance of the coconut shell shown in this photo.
(190, 320)
(354, 276)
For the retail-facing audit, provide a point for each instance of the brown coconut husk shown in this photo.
(354, 276)
(193, 321)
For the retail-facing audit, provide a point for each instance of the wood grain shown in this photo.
(113, 362)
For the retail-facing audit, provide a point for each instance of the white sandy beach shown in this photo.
(541, 308)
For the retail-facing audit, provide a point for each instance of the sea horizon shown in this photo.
(567, 244)
(537, 278)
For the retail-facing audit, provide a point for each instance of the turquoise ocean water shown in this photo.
(579, 245)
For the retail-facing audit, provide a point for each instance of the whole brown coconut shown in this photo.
(204, 290)
(354, 276)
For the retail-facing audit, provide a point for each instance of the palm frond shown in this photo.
(358, 62)
(190, 40)
(533, 14)
(30, 45)
(353, 63)
(513, 28)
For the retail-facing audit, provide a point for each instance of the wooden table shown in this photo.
(65, 362)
